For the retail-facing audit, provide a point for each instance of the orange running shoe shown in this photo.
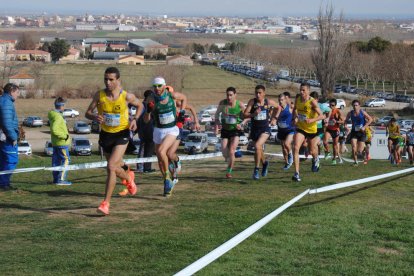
(124, 192)
(228, 175)
(103, 208)
(132, 188)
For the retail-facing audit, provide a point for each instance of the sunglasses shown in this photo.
(157, 85)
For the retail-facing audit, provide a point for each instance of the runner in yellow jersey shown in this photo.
(112, 105)
(306, 114)
(393, 133)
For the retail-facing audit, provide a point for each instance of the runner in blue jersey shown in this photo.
(260, 110)
(286, 129)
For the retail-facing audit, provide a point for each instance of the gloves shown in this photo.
(150, 107)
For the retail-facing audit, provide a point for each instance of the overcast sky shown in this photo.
(351, 8)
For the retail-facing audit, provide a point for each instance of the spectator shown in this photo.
(9, 133)
(60, 142)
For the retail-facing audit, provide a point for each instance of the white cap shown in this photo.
(158, 80)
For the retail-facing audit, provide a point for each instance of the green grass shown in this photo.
(368, 229)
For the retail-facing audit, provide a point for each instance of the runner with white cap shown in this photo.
(164, 113)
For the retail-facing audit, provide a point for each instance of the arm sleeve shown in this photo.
(57, 125)
(6, 117)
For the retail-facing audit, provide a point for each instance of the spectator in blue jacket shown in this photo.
(9, 133)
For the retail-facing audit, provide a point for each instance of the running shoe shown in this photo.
(175, 181)
(228, 175)
(131, 186)
(341, 161)
(171, 167)
(103, 208)
(355, 164)
(296, 177)
(178, 166)
(315, 165)
(124, 192)
(334, 162)
(290, 159)
(287, 166)
(63, 183)
(168, 187)
(265, 168)
(327, 154)
(256, 174)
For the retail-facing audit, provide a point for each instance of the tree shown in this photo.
(198, 48)
(378, 44)
(328, 55)
(59, 48)
(25, 42)
(45, 47)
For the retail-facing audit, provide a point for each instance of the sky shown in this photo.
(350, 8)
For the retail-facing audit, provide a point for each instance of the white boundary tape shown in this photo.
(103, 164)
(230, 244)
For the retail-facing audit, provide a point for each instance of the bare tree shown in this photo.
(328, 56)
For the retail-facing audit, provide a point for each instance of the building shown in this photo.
(257, 31)
(74, 54)
(180, 60)
(292, 29)
(6, 46)
(127, 28)
(148, 46)
(98, 47)
(28, 55)
(118, 47)
(111, 55)
(131, 60)
(22, 80)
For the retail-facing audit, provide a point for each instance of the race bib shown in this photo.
(410, 138)
(282, 125)
(302, 117)
(166, 118)
(230, 120)
(331, 123)
(112, 120)
(261, 116)
(358, 127)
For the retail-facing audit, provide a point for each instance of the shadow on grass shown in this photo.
(44, 210)
(350, 192)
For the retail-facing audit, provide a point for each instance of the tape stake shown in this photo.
(230, 244)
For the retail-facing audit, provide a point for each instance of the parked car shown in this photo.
(69, 112)
(340, 103)
(406, 124)
(184, 135)
(81, 146)
(243, 140)
(33, 121)
(211, 109)
(23, 147)
(212, 138)
(81, 127)
(384, 120)
(375, 102)
(48, 148)
(135, 149)
(196, 143)
(205, 118)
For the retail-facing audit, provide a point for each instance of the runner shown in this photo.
(230, 110)
(174, 161)
(343, 137)
(259, 109)
(360, 121)
(306, 113)
(393, 132)
(286, 129)
(410, 144)
(112, 104)
(332, 130)
(166, 131)
(369, 133)
(326, 111)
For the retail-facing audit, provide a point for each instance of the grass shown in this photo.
(49, 230)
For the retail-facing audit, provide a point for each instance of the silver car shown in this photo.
(196, 143)
(81, 127)
(33, 121)
(81, 146)
(48, 148)
(212, 138)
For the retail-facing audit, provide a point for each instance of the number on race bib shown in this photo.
(302, 117)
(112, 120)
(261, 116)
(166, 118)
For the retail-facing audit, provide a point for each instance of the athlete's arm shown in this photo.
(246, 112)
(90, 114)
(180, 97)
(217, 116)
(245, 120)
(318, 111)
(131, 99)
(193, 112)
(368, 119)
(274, 107)
(340, 118)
